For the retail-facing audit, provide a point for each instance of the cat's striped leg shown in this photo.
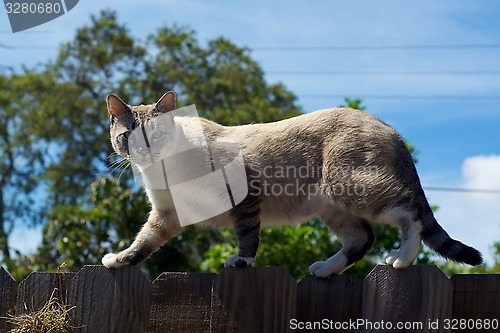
(160, 227)
(247, 228)
(357, 237)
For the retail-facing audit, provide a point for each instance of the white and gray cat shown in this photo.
(355, 169)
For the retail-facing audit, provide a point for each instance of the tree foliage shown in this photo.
(88, 209)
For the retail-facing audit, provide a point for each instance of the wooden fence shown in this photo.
(256, 300)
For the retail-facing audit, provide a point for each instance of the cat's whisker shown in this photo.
(117, 162)
(123, 170)
(115, 165)
(109, 168)
(112, 155)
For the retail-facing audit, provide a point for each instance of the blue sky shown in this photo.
(457, 137)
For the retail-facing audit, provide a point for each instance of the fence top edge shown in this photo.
(7, 273)
(259, 269)
(421, 269)
(418, 269)
(311, 277)
(478, 275)
(33, 275)
(102, 268)
(166, 275)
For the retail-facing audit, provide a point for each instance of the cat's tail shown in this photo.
(435, 237)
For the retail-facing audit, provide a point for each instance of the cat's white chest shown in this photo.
(160, 199)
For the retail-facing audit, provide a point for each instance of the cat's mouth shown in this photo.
(144, 159)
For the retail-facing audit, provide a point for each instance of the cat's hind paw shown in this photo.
(316, 267)
(238, 261)
(391, 258)
(397, 260)
(110, 261)
(322, 269)
(334, 265)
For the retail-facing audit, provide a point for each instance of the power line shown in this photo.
(376, 47)
(461, 190)
(380, 73)
(28, 47)
(322, 48)
(423, 97)
(8, 47)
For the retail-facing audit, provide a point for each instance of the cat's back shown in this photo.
(308, 137)
(324, 123)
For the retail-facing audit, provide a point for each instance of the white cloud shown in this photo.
(473, 218)
(482, 172)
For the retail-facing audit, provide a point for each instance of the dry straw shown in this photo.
(53, 317)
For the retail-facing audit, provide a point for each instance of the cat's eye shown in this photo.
(156, 134)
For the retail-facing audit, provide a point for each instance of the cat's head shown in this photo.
(142, 133)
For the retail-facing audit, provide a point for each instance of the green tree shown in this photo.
(101, 58)
(25, 99)
(496, 251)
(88, 216)
(353, 103)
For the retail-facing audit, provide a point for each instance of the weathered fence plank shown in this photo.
(413, 297)
(253, 300)
(476, 301)
(37, 289)
(419, 298)
(336, 299)
(110, 300)
(180, 302)
(8, 287)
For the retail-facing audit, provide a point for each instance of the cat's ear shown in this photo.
(119, 111)
(166, 102)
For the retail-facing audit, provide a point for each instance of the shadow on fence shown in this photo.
(256, 300)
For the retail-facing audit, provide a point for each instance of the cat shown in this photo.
(342, 165)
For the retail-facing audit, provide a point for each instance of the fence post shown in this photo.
(476, 300)
(336, 299)
(180, 302)
(253, 300)
(417, 294)
(110, 300)
(37, 288)
(8, 288)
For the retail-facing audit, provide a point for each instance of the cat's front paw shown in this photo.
(110, 260)
(238, 261)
